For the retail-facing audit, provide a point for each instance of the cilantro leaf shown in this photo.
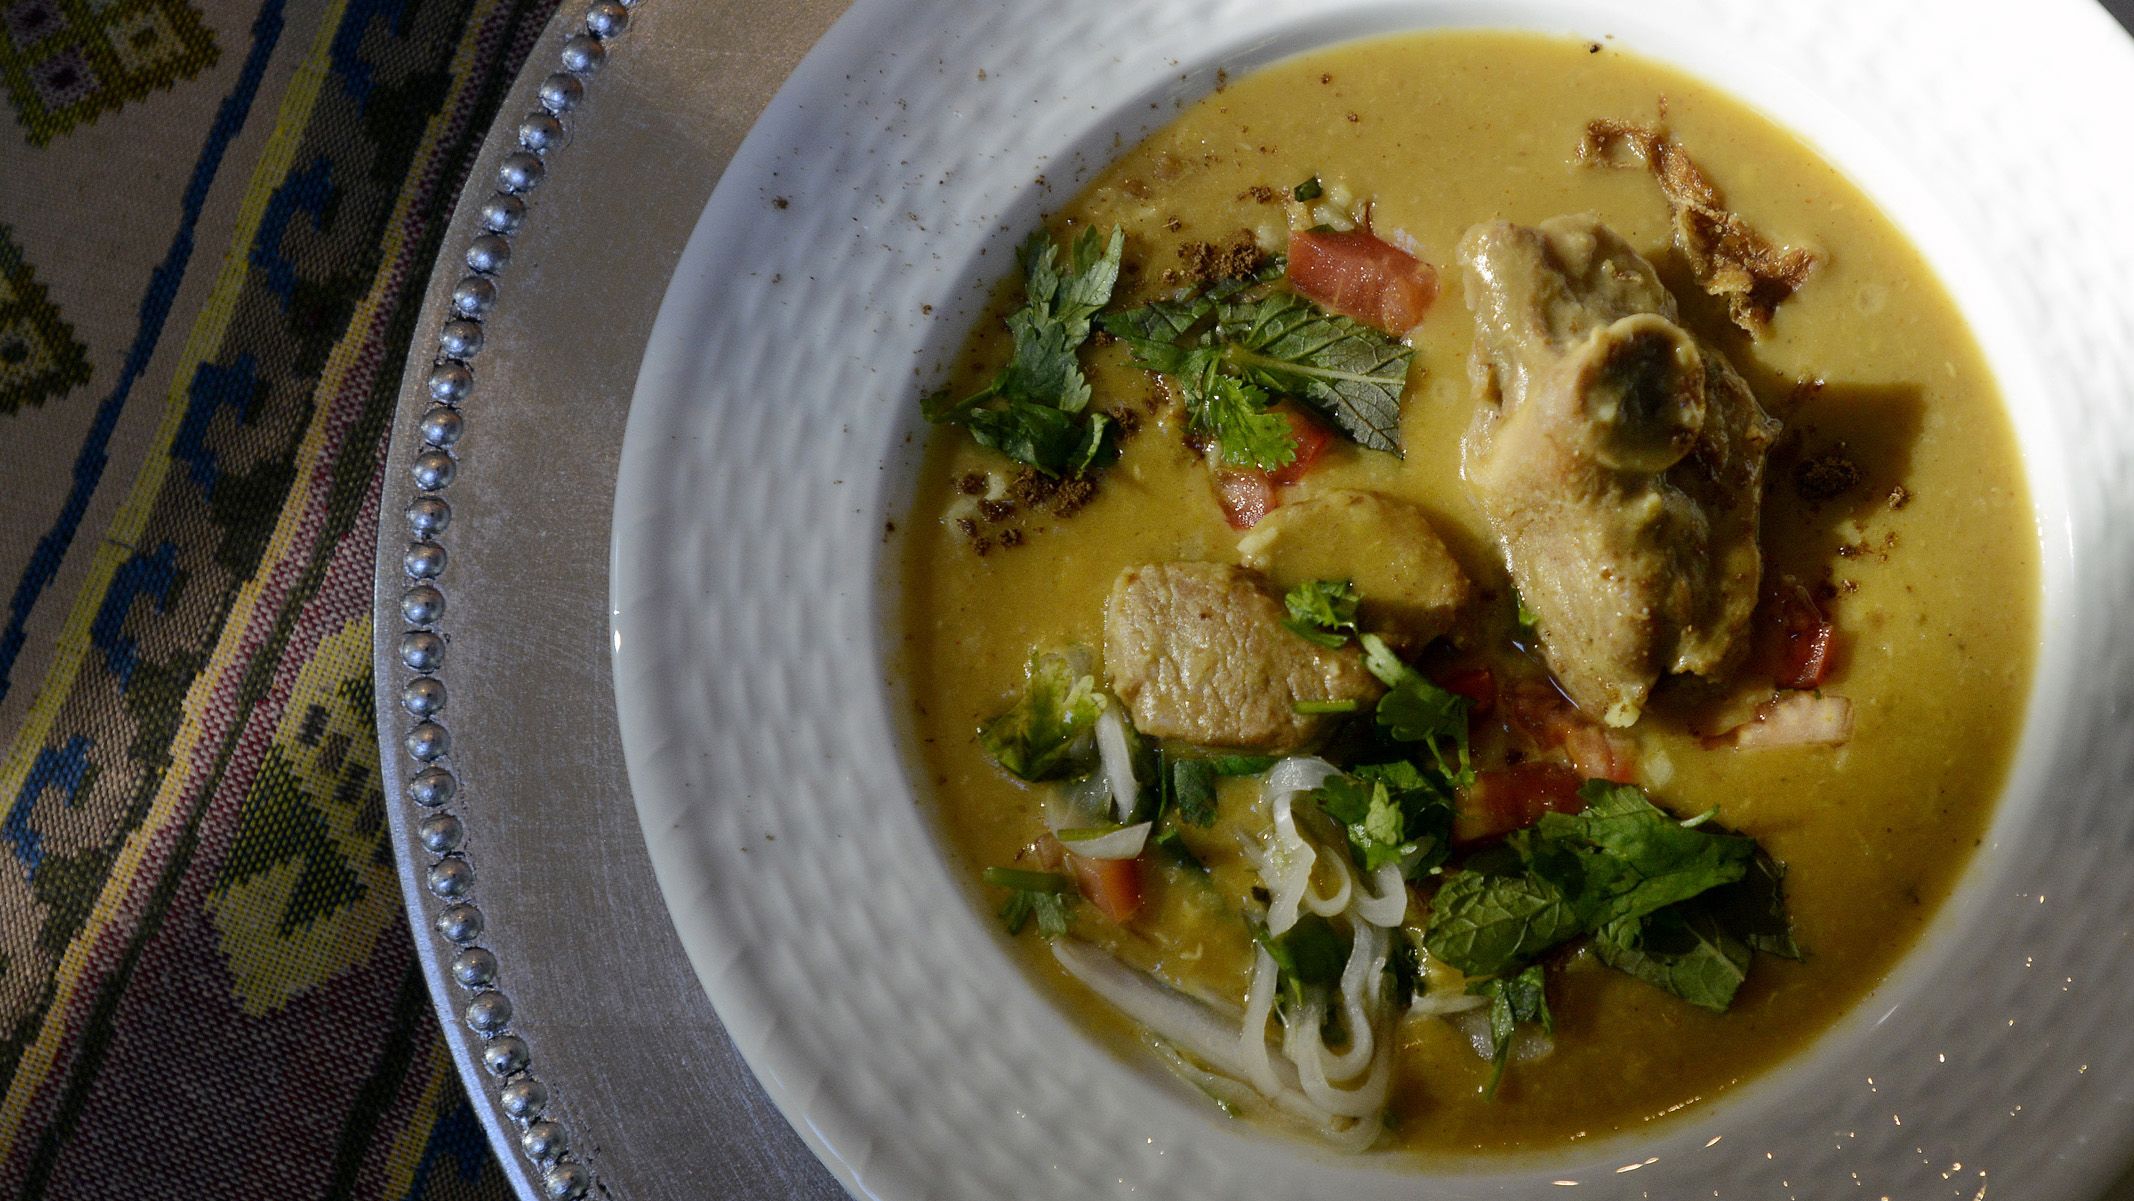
(1348, 372)
(1683, 949)
(1393, 814)
(1237, 413)
(1042, 895)
(1322, 611)
(1033, 410)
(1416, 710)
(1512, 1000)
(1483, 924)
(1050, 729)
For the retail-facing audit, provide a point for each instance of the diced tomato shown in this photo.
(1357, 275)
(1551, 721)
(1806, 638)
(1312, 441)
(1477, 684)
(1112, 885)
(1511, 798)
(1246, 495)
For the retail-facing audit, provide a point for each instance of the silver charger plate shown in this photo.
(624, 1055)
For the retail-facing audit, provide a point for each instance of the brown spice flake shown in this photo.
(1032, 488)
(1072, 494)
(972, 483)
(1010, 538)
(996, 510)
(781, 202)
(1826, 476)
(1259, 193)
(1899, 496)
(1205, 262)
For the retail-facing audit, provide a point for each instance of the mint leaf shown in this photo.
(1193, 791)
(1683, 949)
(1624, 858)
(1348, 372)
(1753, 908)
(1483, 924)
(1050, 730)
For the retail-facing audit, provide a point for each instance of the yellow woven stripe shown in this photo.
(296, 107)
(414, 1138)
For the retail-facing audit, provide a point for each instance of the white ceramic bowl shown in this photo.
(774, 433)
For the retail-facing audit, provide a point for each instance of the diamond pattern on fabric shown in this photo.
(39, 356)
(67, 62)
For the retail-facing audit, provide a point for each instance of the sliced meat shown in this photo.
(1618, 459)
(1386, 547)
(1198, 652)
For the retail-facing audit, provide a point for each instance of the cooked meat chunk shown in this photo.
(1198, 652)
(1386, 547)
(1618, 459)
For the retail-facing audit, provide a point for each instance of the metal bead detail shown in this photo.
(432, 787)
(540, 131)
(488, 1012)
(488, 254)
(503, 213)
(583, 54)
(473, 296)
(428, 515)
(520, 172)
(442, 426)
(607, 19)
(422, 605)
(561, 93)
(544, 1140)
(424, 560)
(429, 741)
(450, 380)
(421, 650)
(506, 1054)
(523, 1099)
(451, 878)
(440, 832)
(474, 968)
(460, 923)
(460, 339)
(423, 696)
(434, 470)
(565, 1182)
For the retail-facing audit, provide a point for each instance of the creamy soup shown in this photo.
(1893, 497)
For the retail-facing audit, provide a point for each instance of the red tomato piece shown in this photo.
(1806, 639)
(1312, 441)
(1512, 798)
(1246, 495)
(1551, 721)
(1357, 275)
(1112, 885)
(1477, 684)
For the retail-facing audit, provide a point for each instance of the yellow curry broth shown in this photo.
(1936, 604)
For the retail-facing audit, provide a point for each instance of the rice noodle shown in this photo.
(1385, 902)
(1252, 1039)
(1194, 1025)
(1291, 859)
(1359, 979)
(1305, 1046)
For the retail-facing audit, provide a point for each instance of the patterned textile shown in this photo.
(215, 224)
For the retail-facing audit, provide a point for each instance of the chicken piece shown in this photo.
(1618, 459)
(1198, 652)
(1386, 547)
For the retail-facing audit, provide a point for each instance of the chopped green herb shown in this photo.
(1308, 190)
(1512, 1000)
(1239, 765)
(1309, 956)
(1173, 843)
(1393, 813)
(1683, 949)
(1315, 708)
(1193, 791)
(1050, 730)
(1041, 394)
(1322, 611)
(1484, 924)
(1260, 346)
(1526, 617)
(1416, 710)
(1042, 895)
